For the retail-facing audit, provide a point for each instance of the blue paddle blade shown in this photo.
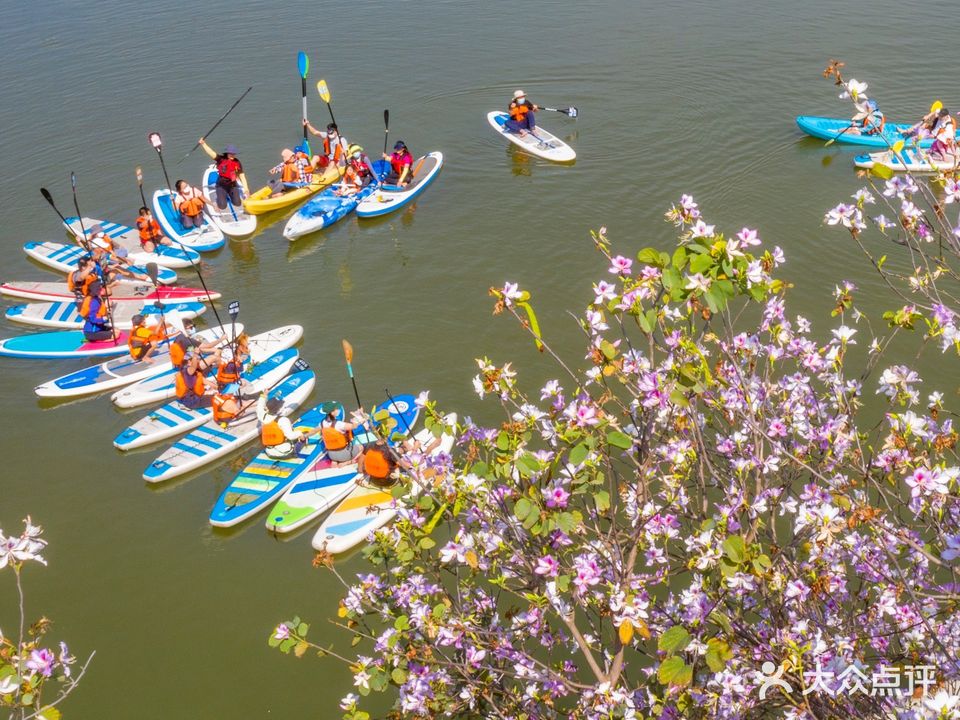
(303, 63)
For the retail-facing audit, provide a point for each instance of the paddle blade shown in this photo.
(300, 365)
(573, 112)
(303, 64)
(323, 90)
(139, 176)
(234, 308)
(937, 106)
(386, 119)
(155, 140)
(73, 180)
(347, 352)
(46, 195)
(152, 271)
(897, 146)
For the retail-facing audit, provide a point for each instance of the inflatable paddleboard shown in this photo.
(369, 507)
(908, 160)
(264, 201)
(211, 442)
(827, 128)
(123, 291)
(64, 314)
(545, 144)
(208, 237)
(61, 345)
(160, 387)
(265, 477)
(233, 221)
(328, 207)
(63, 257)
(391, 197)
(128, 238)
(175, 419)
(321, 485)
(115, 373)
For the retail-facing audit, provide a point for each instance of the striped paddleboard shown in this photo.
(207, 238)
(64, 314)
(128, 238)
(125, 291)
(211, 442)
(264, 477)
(320, 486)
(175, 419)
(368, 507)
(908, 160)
(63, 257)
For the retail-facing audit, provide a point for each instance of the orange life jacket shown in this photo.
(177, 353)
(333, 439)
(183, 389)
(137, 339)
(219, 414)
(85, 307)
(80, 287)
(229, 372)
(519, 112)
(873, 123)
(190, 203)
(290, 172)
(353, 177)
(334, 152)
(378, 463)
(149, 230)
(271, 434)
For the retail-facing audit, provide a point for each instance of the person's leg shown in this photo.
(221, 197)
(99, 336)
(235, 196)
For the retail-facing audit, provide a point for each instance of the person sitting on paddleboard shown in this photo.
(944, 135)
(230, 372)
(521, 110)
(276, 432)
(79, 281)
(291, 172)
(96, 318)
(143, 339)
(189, 202)
(230, 177)
(359, 172)
(401, 165)
(110, 261)
(868, 121)
(226, 404)
(924, 128)
(338, 439)
(191, 384)
(185, 344)
(334, 146)
(150, 233)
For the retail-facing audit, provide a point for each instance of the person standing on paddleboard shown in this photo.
(401, 165)
(521, 112)
(230, 175)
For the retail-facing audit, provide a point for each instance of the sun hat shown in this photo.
(519, 94)
(101, 243)
(399, 144)
(95, 230)
(230, 149)
(286, 154)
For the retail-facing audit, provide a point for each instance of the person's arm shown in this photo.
(207, 149)
(311, 128)
(288, 432)
(262, 407)
(404, 174)
(241, 176)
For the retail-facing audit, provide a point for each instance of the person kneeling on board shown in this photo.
(191, 384)
(226, 404)
(189, 202)
(338, 439)
(150, 233)
(358, 173)
(401, 165)
(230, 372)
(80, 280)
(521, 110)
(97, 325)
(279, 438)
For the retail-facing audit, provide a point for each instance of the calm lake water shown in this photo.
(696, 97)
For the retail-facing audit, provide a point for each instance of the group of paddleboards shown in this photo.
(929, 145)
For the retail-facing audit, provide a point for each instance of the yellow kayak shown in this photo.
(261, 201)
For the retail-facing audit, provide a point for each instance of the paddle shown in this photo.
(106, 296)
(832, 140)
(324, 92)
(299, 366)
(143, 200)
(216, 124)
(233, 309)
(152, 272)
(386, 129)
(348, 356)
(157, 142)
(303, 65)
(570, 112)
(393, 404)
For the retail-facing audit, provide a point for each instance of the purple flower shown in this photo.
(41, 661)
(547, 566)
(620, 265)
(282, 632)
(557, 498)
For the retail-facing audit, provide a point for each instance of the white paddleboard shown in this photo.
(232, 221)
(544, 144)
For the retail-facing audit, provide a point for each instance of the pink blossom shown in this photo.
(557, 498)
(604, 292)
(547, 566)
(620, 265)
(748, 237)
(41, 661)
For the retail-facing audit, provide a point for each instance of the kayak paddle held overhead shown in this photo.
(217, 123)
(324, 93)
(303, 66)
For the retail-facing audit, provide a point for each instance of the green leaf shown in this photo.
(701, 263)
(523, 508)
(882, 171)
(721, 621)
(399, 676)
(49, 713)
(601, 498)
(578, 454)
(673, 640)
(674, 671)
(608, 350)
(563, 583)
(287, 645)
(715, 299)
(566, 522)
(718, 654)
(651, 256)
(302, 629)
(734, 549)
(426, 543)
(671, 279)
(679, 258)
(619, 439)
(503, 441)
(678, 397)
(645, 321)
(529, 463)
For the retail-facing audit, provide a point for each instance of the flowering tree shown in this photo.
(30, 672)
(706, 522)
